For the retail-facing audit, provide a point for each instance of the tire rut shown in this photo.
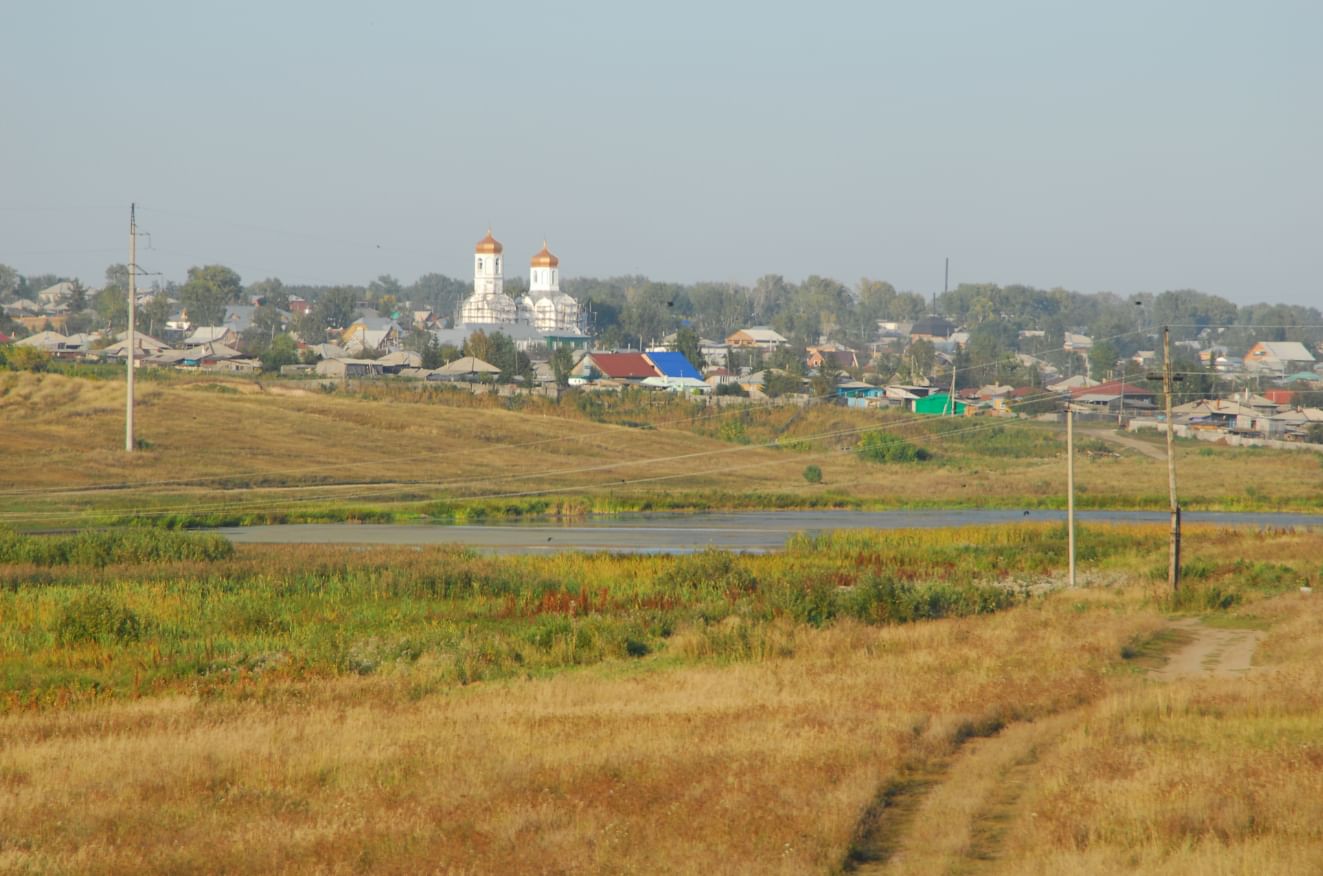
(952, 814)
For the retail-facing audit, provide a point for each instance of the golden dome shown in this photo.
(489, 244)
(544, 258)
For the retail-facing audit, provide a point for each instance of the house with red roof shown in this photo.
(626, 367)
(1112, 397)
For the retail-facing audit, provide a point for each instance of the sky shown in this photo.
(1121, 146)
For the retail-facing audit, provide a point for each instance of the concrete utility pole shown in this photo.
(953, 378)
(1174, 560)
(1070, 487)
(133, 305)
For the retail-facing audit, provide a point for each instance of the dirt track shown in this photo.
(982, 781)
(1210, 653)
(1143, 447)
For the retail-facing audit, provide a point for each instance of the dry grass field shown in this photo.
(782, 718)
(756, 767)
(218, 450)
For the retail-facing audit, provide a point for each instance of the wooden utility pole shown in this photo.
(133, 305)
(1070, 487)
(1174, 560)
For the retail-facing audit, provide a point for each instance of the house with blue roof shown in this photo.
(673, 365)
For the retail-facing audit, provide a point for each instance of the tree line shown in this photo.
(635, 311)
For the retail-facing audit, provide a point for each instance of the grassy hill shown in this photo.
(233, 449)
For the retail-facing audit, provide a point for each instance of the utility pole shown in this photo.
(133, 305)
(953, 378)
(1070, 487)
(1174, 560)
(1120, 418)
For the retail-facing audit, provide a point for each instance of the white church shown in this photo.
(545, 308)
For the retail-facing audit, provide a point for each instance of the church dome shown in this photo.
(489, 244)
(544, 258)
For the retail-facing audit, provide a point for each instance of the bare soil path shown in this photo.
(1143, 447)
(951, 815)
(1210, 652)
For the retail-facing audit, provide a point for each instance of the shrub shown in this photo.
(711, 568)
(813, 474)
(105, 547)
(881, 447)
(28, 358)
(94, 616)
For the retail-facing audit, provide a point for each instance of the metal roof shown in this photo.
(673, 365)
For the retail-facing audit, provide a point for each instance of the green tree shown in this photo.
(9, 280)
(645, 316)
(922, 355)
(271, 292)
(77, 296)
(425, 344)
(280, 352)
(688, 343)
(27, 359)
(1102, 360)
(112, 308)
(207, 292)
(155, 314)
(337, 307)
(385, 286)
(775, 384)
(562, 362)
(117, 276)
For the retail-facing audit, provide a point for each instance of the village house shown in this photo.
(1111, 399)
(1278, 357)
(345, 369)
(625, 367)
(833, 357)
(212, 334)
(759, 337)
(932, 329)
(379, 334)
(58, 345)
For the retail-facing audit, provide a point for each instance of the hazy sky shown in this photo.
(1113, 145)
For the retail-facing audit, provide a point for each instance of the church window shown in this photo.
(479, 264)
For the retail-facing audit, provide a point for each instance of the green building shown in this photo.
(937, 403)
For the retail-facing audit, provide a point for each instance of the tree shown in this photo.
(155, 313)
(922, 355)
(270, 292)
(336, 307)
(117, 276)
(207, 292)
(499, 350)
(775, 383)
(688, 343)
(77, 296)
(9, 280)
(27, 359)
(562, 362)
(645, 316)
(1102, 359)
(439, 292)
(112, 307)
(280, 352)
(384, 286)
(425, 344)
(991, 351)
